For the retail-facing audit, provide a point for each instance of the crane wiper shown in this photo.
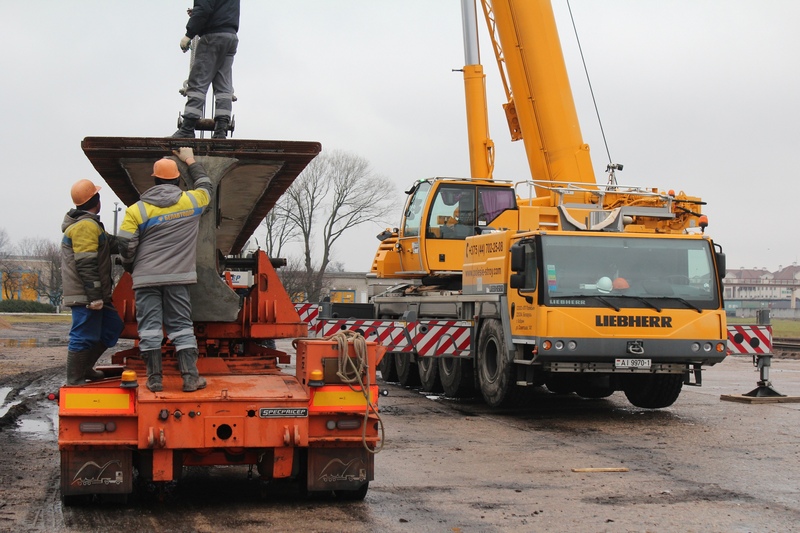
(645, 301)
(595, 296)
(681, 300)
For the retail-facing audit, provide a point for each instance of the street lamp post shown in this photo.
(117, 209)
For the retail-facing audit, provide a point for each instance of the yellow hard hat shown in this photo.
(82, 191)
(166, 169)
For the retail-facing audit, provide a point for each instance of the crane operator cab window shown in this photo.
(456, 210)
(415, 210)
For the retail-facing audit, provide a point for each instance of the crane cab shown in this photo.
(439, 215)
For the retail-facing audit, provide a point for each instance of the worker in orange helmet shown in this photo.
(158, 245)
(620, 284)
(87, 283)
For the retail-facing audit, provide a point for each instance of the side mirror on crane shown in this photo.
(523, 268)
(721, 267)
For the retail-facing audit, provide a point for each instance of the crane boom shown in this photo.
(540, 108)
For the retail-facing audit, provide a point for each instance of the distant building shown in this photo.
(21, 276)
(751, 289)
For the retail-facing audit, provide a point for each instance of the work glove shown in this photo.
(185, 43)
(95, 305)
(184, 153)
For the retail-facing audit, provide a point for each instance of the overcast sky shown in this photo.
(695, 95)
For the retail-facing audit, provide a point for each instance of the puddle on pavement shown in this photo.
(40, 429)
(33, 342)
(3, 395)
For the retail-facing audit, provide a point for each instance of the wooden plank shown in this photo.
(609, 469)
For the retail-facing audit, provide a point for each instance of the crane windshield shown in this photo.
(645, 272)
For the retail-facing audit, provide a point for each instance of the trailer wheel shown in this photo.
(653, 391)
(457, 376)
(495, 370)
(407, 373)
(353, 495)
(387, 368)
(429, 374)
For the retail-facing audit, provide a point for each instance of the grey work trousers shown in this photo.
(213, 64)
(165, 307)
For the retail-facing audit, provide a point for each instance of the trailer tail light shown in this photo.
(97, 427)
(347, 423)
(721, 346)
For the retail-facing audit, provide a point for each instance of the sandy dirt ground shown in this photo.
(454, 466)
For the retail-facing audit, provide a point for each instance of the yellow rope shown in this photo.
(358, 365)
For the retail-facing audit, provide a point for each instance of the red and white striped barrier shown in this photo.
(308, 314)
(429, 338)
(749, 340)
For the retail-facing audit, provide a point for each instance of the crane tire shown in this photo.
(653, 391)
(429, 374)
(387, 368)
(406, 367)
(457, 376)
(495, 367)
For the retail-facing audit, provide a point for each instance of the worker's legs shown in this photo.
(91, 333)
(149, 320)
(223, 87)
(180, 330)
(211, 53)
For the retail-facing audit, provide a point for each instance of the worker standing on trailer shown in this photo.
(86, 265)
(158, 244)
(216, 22)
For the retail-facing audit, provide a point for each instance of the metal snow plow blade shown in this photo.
(251, 174)
(248, 177)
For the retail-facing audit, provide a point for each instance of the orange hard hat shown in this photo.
(166, 169)
(82, 191)
(620, 284)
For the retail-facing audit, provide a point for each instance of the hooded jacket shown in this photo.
(158, 236)
(213, 16)
(86, 264)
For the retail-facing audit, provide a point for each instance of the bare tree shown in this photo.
(47, 281)
(336, 192)
(280, 229)
(10, 273)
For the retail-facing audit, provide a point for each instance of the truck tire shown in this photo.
(653, 391)
(594, 387)
(387, 368)
(429, 374)
(495, 369)
(457, 376)
(407, 373)
(558, 383)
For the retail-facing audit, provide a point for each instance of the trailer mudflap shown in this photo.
(96, 471)
(339, 468)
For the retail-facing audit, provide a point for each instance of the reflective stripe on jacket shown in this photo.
(158, 236)
(86, 251)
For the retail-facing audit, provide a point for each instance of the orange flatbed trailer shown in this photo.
(319, 427)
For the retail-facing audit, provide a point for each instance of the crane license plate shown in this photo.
(632, 363)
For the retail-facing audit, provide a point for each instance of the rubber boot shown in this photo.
(187, 363)
(77, 364)
(95, 352)
(186, 130)
(152, 359)
(221, 127)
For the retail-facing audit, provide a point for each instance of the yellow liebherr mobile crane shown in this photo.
(556, 280)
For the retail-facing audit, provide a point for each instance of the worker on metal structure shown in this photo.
(216, 22)
(86, 266)
(158, 245)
